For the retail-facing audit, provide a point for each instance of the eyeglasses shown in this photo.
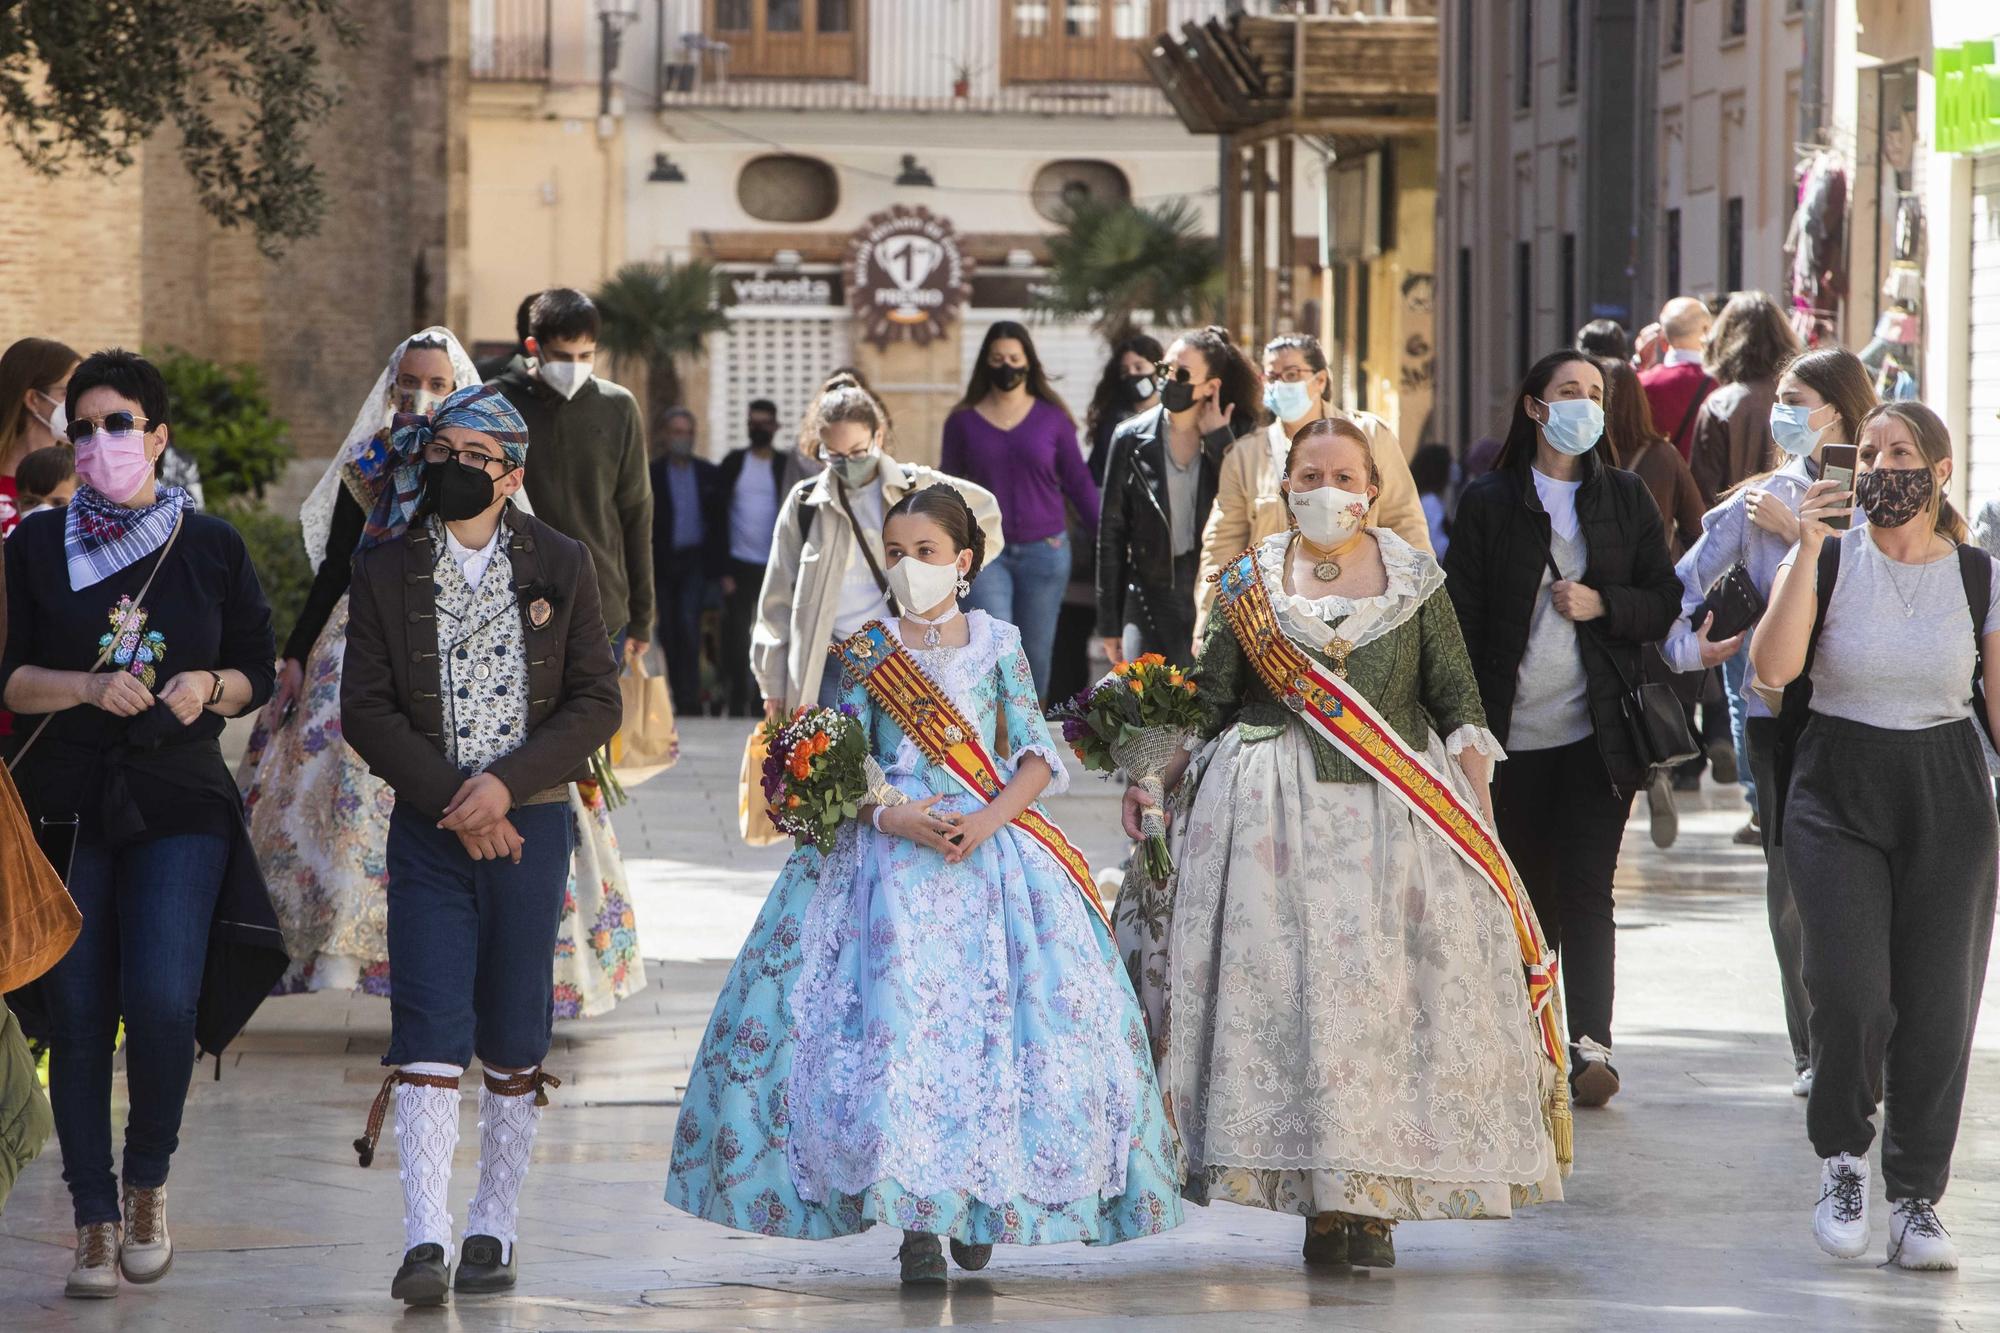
(1295, 375)
(112, 423)
(439, 452)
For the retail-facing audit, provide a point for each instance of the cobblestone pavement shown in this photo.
(1689, 1207)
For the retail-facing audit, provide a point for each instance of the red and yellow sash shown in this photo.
(928, 717)
(1340, 715)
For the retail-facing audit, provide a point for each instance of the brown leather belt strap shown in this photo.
(523, 1083)
(364, 1147)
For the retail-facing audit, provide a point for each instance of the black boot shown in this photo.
(1326, 1247)
(1371, 1243)
(424, 1278)
(480, 1269)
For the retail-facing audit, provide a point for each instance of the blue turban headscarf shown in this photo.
(476, 407)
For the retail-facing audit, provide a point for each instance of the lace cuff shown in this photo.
(1058, 775)
(880, 790)
(1474, 738)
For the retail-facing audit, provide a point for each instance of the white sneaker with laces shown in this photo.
(1917, 1239)
(1802, 1083)
(1840, 1221)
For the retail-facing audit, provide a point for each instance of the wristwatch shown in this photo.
(215, 695)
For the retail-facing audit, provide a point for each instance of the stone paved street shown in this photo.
(1689, 1208)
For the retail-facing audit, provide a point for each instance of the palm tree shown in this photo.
(1114, 260)
(656, 312)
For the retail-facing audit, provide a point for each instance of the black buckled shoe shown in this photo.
(971, 1258)
(480, 1268)
(424, 1278)
(1325, 1247)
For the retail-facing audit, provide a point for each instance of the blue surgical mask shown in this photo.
(1288, 402)
(1791, 428)
(1575, 425)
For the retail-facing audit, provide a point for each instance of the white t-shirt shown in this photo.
(1559, 500)
(861, 598)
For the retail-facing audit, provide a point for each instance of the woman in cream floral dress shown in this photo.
(319, 820)
(1341, 1014)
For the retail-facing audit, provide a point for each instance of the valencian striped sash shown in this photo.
(935, 726)
(1340, 715)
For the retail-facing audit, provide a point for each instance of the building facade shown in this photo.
(1595, 158)
(765, 135)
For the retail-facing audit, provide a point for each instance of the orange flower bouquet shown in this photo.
(1135, 719)
(815, 773)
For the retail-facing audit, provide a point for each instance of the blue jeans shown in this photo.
(146, 912)
(1734, 672)
(1025, 587)
(472, 944)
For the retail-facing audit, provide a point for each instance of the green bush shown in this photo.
(279, 553)
(223, 418)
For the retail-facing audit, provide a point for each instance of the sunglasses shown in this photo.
(112, 423)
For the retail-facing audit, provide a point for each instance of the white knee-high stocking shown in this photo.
(426, 1138)
(507, 1124)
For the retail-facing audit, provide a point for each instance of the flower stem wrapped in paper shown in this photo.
(1135, 719)
(815, 773)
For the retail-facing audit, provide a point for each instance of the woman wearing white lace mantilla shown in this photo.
(1358, 1008)
(318, 819)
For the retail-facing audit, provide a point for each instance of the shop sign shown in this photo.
(1010, 289)
(1968, 98)
(810, 290)
(906, 276)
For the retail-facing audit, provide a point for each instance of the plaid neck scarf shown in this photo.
(100, 538)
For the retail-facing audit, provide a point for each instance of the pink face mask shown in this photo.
(115, 465)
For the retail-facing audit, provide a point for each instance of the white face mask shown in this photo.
(565, 377)
(920, 586)
(1329, 515)
(58, 418)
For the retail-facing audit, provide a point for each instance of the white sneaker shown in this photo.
(1917, 1239)
(1802, 1084)
(148, 1251)
(1840, 1222)
(95, 1274)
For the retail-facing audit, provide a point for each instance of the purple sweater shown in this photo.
(1029, 469)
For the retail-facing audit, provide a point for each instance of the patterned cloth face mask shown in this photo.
(1892, 497)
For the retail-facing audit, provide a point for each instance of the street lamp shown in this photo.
(613, 17)
(914, 173)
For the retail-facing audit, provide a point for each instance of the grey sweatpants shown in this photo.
(1890, 848)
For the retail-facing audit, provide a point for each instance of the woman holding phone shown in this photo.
(1822, 397)
(1868, 631)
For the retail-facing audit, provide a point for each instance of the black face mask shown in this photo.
(761, 437)
(455, 492)
(1138, 388)
(1006, 377)
(1177, 395)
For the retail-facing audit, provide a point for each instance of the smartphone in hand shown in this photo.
(1836, 463)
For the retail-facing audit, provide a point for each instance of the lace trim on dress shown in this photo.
(1477, 739)
(1413, 577)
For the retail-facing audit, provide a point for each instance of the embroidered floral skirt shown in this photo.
(1346, 1021)
(950, 1049)
(320, 824)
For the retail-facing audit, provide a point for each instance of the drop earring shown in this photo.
(964, 588)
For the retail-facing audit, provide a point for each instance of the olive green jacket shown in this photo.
(25, 1119)
(1417, 675)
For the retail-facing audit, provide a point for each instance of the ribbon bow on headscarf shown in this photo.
(478, 407)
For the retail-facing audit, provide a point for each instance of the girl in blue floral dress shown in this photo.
(929, 1027)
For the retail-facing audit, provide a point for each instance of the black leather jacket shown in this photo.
(1135, 552)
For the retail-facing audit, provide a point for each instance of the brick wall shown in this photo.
(95, 260)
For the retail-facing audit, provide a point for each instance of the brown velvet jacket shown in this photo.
(391, 710)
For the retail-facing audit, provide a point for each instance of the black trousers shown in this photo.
(1890, 843)
(739, 617)
(1760, 738)
(1562, 826)
(1160, 613)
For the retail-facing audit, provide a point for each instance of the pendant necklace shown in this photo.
(1326, 563)
(931, 635)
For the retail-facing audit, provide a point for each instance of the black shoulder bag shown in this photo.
(1975, 573)
(1654, 717)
